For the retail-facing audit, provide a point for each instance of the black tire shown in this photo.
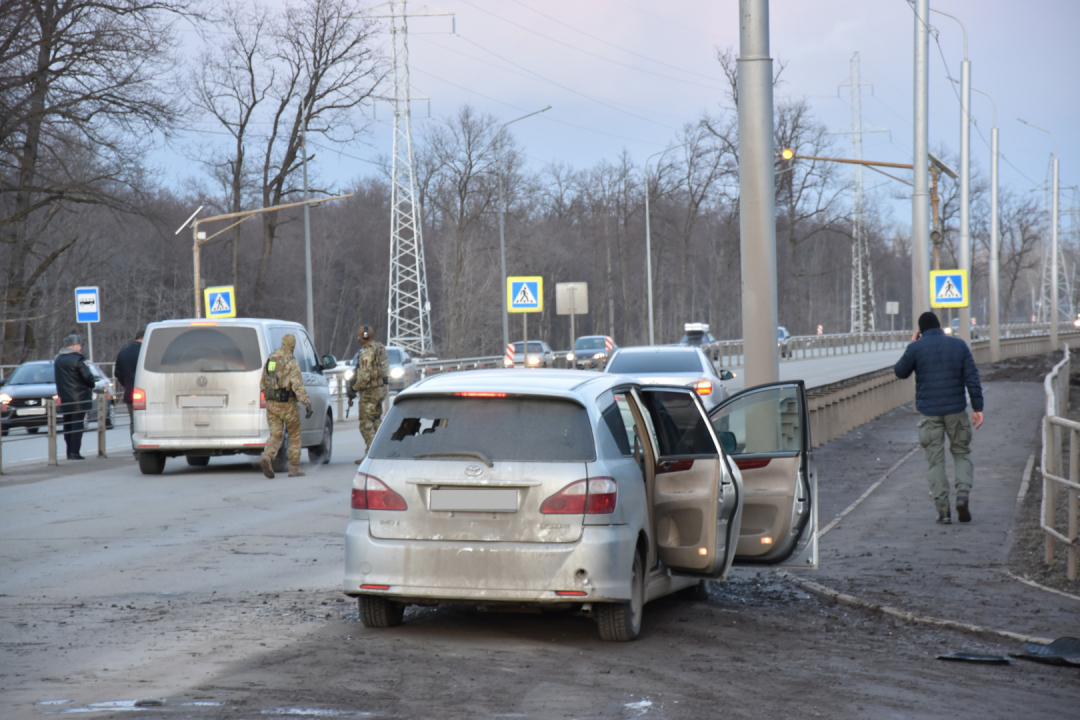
(380, 612)
(621, 622)
(4, 432)
(320, 454)
(151, 463)
(32, 430)
(198, 460)
(696, 593)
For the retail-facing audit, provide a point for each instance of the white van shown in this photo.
(197, 392)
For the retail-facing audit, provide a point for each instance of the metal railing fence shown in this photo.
(55, 421)
(1055, 427)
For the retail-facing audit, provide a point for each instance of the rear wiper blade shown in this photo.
(458, 453)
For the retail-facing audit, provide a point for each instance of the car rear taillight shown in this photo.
(703, 387)
(138, 399)
(595, 496)
(374, 495)
(262, 400)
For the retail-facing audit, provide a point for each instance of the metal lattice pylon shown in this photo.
(863, 306)
(408, 310)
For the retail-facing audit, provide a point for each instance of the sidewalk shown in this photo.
(890, 551)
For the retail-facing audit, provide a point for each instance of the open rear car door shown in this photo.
(695, 497)
(765, 430)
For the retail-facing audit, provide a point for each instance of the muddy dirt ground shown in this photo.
(758, 646)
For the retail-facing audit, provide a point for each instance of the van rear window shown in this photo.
(508, 429)
(202, 349)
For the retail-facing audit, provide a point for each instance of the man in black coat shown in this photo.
(124, 372)
(75, 386)
(944, 369)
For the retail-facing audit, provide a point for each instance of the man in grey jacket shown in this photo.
(944, 369)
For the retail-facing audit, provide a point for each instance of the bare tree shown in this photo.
(325, 64)
(81, 84)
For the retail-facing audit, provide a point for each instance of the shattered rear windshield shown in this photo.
(499, 429)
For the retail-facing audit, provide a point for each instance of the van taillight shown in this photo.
(138, 399)
(595, 496)
(374, 495)
(262, 400)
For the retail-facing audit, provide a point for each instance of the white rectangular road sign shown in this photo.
(572, 298)
(87, 305)
(892, 307)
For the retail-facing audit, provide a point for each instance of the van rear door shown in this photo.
(202, 380)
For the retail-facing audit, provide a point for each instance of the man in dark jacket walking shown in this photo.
(75, 386)
(944, 369)
(124, 372)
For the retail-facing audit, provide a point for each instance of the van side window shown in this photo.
(277, 333)
(304, 348)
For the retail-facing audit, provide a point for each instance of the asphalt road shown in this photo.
(216, 592)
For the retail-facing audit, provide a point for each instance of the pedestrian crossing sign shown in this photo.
(949, 289)
(220, 302)
(525, 294)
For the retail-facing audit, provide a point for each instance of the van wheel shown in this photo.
(198, 460)
(320, 454)
(621, 622)
(281, 460)
(380, 612)
(151, 463)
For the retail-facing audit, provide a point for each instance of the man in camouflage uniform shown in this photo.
(371, 380)
(284, 386)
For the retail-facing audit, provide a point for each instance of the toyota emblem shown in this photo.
(474, 471)
(201, 381)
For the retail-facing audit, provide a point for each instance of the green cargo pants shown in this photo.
(932, 432)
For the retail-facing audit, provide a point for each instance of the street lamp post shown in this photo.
(965, 176)
(920, 196)
(502, 222)
(307, 246)
(995, 239)
(1053, 244)
(648, 239)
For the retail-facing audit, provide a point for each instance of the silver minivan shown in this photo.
(197, 392)
(575, 490)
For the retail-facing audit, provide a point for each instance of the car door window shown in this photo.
(678, 424)
(767, 421)
(618, 420)
(308, 352)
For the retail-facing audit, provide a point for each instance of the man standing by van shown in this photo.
(284, 386)
(75, 386)
(127, 362)
(372, 378)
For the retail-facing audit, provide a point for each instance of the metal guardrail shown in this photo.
(1055, 425)
(54, 424)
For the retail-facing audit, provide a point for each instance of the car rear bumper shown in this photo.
(251, 445)
(598, 564)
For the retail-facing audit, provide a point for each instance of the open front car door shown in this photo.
(695, 497)
(765, 430)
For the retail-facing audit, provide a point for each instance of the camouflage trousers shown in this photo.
(283, 416)
(370, 412)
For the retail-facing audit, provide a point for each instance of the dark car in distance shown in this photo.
(25, 391)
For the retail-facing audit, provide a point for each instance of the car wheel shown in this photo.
(281, 460)
(621, 622)
(320, 454)
(32, 430)
(380, 612)
(198, 460)
(151, 463)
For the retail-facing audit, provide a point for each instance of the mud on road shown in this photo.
(758, 646)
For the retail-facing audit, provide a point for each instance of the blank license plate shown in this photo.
(30, 411)
(474, 499)
(202, 401)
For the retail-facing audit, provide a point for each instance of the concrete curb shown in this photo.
(846, 599)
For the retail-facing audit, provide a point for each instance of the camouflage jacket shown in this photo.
(372, 367)
(282, 372)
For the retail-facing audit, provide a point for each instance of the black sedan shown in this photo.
(23, 396)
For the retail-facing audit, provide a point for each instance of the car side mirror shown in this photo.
(329, 362)
(727, 441)
(727, 375)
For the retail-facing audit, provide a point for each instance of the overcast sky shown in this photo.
(627, 74)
